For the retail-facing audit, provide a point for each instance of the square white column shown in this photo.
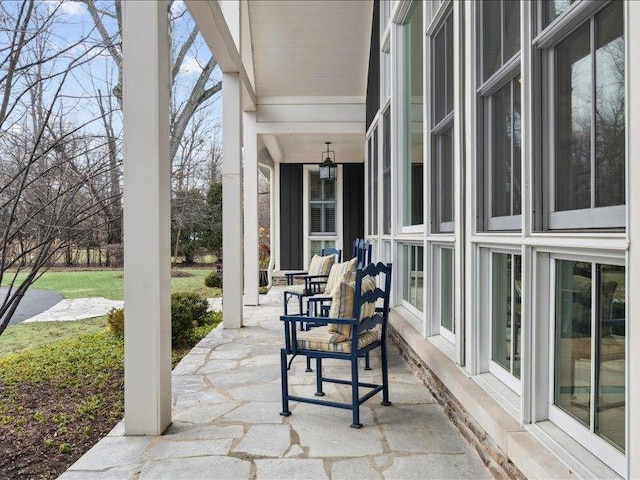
(232, 208)
(251, 243)
(147, 261)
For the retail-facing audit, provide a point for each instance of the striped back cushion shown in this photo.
(321, 265)
(342, 307)
(340, 272)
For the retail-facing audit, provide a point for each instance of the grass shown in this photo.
(59, 398)
(25, 336)
(109, 283)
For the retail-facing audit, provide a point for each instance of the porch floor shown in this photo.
(226, 422)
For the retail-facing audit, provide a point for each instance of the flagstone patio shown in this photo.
(226, 422)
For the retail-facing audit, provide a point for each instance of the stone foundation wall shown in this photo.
(492, 455)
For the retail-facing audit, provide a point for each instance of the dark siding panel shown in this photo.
(291, 216)
(373, 79)
(353, 208)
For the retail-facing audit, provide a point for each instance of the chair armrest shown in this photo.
(290, 276)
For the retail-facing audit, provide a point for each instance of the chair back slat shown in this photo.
(362, 251)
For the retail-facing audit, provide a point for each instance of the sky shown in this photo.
(73, 23)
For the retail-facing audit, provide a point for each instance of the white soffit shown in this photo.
(310, 48)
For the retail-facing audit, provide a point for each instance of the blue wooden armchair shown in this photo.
(353, 329)
(314, 280)
(318, 304)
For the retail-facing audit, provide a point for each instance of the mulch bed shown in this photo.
(56, 434)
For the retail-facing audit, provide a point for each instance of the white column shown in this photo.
(147, 344)
(633, 228)
(232, 244)
(250, 156)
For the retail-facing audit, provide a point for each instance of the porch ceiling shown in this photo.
(310, 48)
(306, 148)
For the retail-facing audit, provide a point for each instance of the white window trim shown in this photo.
(307, 238)
(436, 296)
(405, 303)
(497, 370)
(581, 434)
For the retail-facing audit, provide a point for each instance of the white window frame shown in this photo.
(611, 217)
(505, 75)
(373, 214)
(581, 434)
(405, 303)
(497, 370)
(437, 130)
(306, 221)
(405, 124)
(436, 298)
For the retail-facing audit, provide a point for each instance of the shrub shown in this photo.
(188, 310)
(115, 321)
(213, 280)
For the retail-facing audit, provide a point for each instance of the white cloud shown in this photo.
(190, 66)
(177, 7)
(67, 7)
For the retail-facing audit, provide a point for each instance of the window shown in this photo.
(442, 144)
(585, 123)
(500, 109)
(413, 166)
(316, 246)
(506, 300)
(322, 205)
(372, 146)
(447, 297)
(386, 171)
(589, 349)
(413, 281)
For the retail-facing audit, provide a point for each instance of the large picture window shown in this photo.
(442, 143)
(589, 351)
(500, 90)
(413, 166)
(586, 124)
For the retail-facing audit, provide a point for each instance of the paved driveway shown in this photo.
(34, 302)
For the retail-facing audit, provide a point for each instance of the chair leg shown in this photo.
(355, 396)
(367, 365)
(309, 369)
(300, 304)
(319, 392)
(285, 383)
(385, 375)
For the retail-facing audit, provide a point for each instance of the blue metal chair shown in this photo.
(313, 283)
(368, 331)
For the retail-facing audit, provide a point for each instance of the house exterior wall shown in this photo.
(512, 264)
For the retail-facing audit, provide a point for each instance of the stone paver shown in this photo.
(226, 422)
(77, 309)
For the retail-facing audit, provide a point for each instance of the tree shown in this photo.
(45, 202)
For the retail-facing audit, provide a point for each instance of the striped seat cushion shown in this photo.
(320, 338)
(340, 272)
(298, 289)
(321, 265)
(342, 306)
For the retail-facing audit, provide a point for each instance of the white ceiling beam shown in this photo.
(279, 128)
(351, 112)
(213, 26)
(274, 147)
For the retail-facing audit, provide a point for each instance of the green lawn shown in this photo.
(109, 283)
(25, 336)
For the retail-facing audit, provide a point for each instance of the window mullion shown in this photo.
(511, 144)
(594, 312)
(512, 277)
(593, 111)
